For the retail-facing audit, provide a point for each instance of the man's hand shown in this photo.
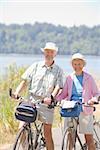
(20, 87)
(15, 95)
(47, 100)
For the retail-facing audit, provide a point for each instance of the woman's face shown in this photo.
(78, 65)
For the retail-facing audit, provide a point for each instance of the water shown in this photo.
(93, 62)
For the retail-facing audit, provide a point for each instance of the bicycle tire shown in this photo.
(65, 139)
(96, 134)
(19, 142)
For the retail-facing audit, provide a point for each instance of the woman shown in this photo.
(81, 86)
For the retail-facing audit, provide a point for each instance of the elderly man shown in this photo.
(44, 79)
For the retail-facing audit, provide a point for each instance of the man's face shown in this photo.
(49, 54)
(78, 65)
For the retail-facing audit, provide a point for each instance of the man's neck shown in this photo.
(49, 63)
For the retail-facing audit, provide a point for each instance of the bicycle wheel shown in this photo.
(22, 140)
(40, 143)
(97, 135)
(68, 140)
(38, 139)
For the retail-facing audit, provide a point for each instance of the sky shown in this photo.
(58, 12)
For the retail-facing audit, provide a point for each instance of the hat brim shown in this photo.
(43, 49)
(79, 59)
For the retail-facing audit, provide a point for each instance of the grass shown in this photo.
(8, 123)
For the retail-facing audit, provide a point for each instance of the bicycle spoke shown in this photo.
(21, 142)
(67, 141)
(38, 138)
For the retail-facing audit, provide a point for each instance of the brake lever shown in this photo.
(53, 103)
(10, 92)
(99, 98)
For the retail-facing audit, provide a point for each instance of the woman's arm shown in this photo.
(95, 92)
(63, 93)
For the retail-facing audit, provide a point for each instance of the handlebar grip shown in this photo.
(52, 98)
(96, 102)
(12, 95)
(10, 92)
(53, 103)
(99, 98)
(42, 101)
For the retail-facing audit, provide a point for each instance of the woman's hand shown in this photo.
(92, 101)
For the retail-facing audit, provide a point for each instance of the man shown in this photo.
(44, 79)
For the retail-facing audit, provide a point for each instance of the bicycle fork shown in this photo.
(77, 136)
(30, 139)
(39, 133)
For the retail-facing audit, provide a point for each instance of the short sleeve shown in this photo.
(27, 75)
(59, 81)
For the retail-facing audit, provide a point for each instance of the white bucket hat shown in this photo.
(78, 56)
(51, 46)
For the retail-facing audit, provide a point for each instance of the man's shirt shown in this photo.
(43, 79)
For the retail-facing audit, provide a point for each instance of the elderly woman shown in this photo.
(81, 86)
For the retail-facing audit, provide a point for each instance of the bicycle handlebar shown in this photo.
(50, 106)
(94, 103)
(53, 103)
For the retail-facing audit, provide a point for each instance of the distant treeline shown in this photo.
(28, 39)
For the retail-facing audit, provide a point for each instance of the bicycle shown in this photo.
(71, 130)
(29, 137)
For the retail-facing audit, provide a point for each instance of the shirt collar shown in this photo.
(85, 75)
(43, 65)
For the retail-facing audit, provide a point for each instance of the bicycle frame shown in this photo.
(39, 132)
(83, 146)
(35, 139)
(76, 136)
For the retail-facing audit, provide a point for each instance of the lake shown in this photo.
(93, 62)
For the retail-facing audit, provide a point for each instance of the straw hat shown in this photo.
(50, 46)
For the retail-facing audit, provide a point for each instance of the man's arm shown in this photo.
(56, 90)
(47, 100)
(20, 87)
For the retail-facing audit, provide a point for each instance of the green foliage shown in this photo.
(28, 39)
(8, 123)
